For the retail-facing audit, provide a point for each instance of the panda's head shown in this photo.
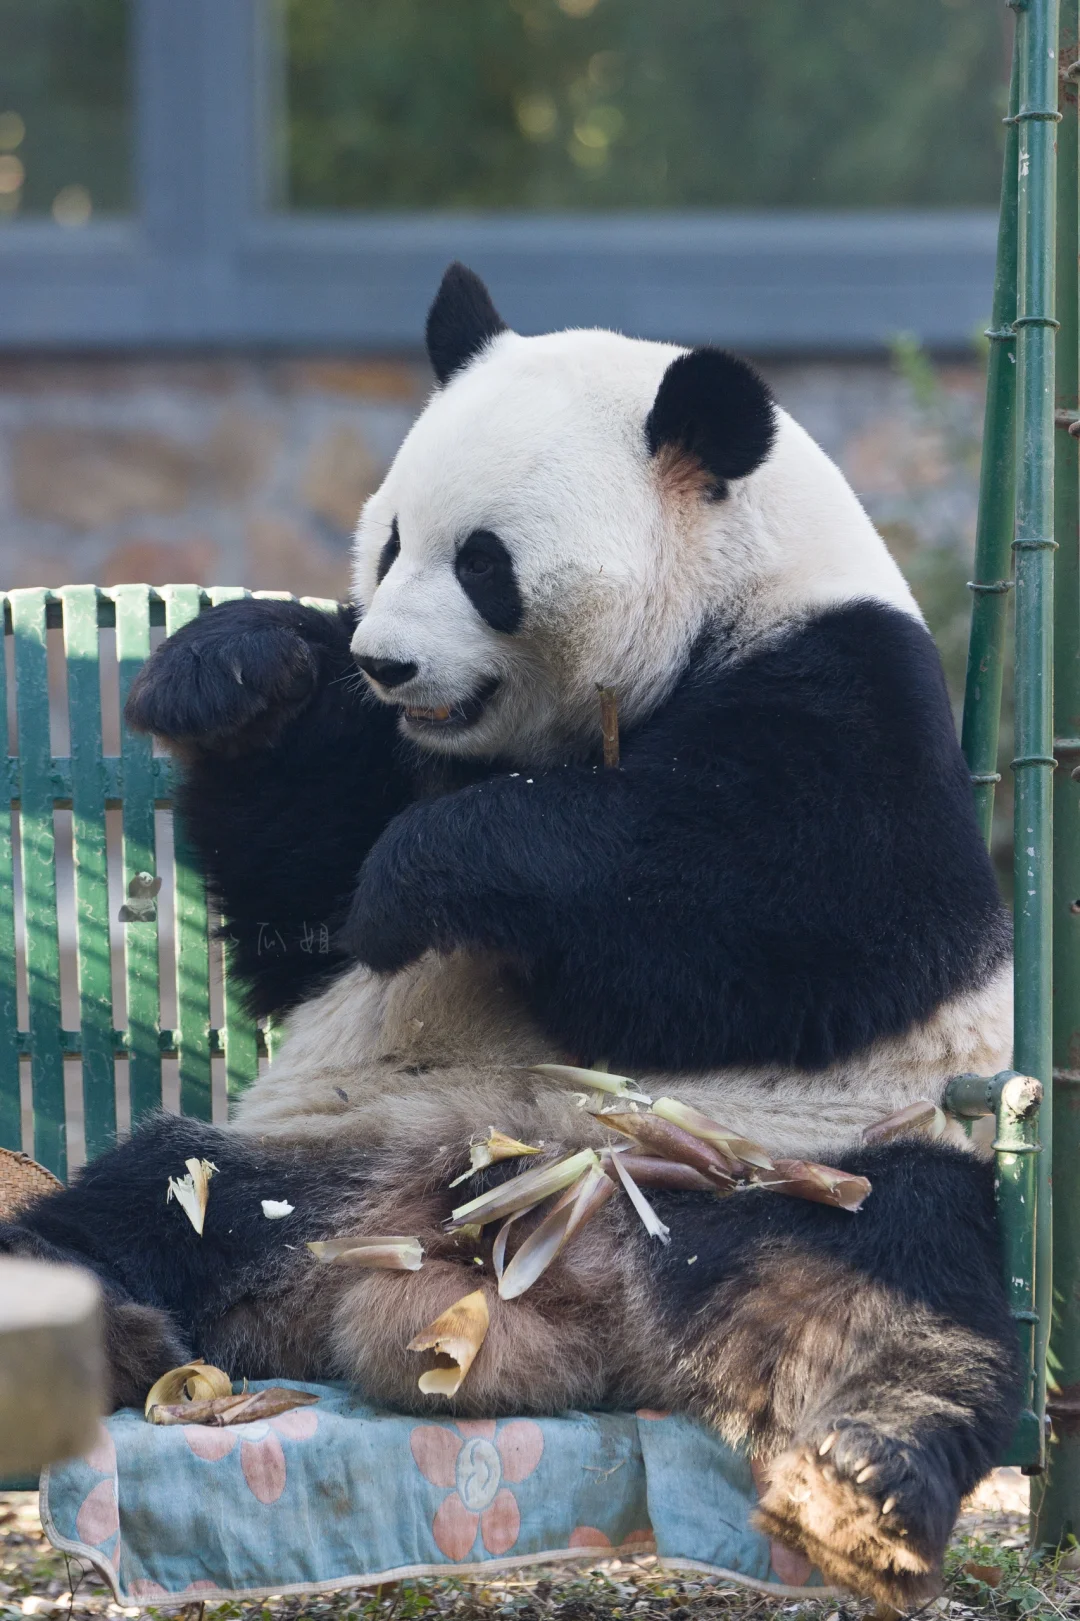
(573, 510)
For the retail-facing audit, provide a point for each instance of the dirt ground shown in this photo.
(989, 1573)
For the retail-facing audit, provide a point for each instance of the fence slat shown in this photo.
(10, 1109)
(37, 848)
(182, 603)
(91, 866)
(239, 1032)
(141, 972)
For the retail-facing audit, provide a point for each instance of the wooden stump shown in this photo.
(52, 1364)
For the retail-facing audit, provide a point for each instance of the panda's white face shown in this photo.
(528, 545)
(518, 552)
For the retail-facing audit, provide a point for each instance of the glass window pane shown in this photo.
(539, 104)
(65, 109)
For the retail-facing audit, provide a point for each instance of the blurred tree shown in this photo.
(65, 107)
(642, 103)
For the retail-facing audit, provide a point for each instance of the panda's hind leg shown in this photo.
(172, 1291)
(869, 1492)
(868, 1359)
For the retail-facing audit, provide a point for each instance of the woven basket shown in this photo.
(21, 1179)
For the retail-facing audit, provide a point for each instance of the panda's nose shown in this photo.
(387, 672)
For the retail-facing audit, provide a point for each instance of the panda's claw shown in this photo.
(232, 678)
(874, 1518)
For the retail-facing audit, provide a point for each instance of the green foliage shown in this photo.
(64, 74)
(629, 103)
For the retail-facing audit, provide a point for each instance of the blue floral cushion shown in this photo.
(339, 1494)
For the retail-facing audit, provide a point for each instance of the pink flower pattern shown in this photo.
(262, 1460)
(476, 1461)
(98, 1519)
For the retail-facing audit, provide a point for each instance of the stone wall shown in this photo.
(247, 470)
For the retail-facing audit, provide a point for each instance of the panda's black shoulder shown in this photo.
(859, 678)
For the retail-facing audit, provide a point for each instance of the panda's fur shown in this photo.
(777, 908)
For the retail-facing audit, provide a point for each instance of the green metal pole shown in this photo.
(997, 487)
(1034, 547)
(1056, 1501)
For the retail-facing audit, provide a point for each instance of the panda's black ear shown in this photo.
(460, 322)
(715, 408)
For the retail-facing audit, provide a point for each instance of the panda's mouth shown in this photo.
(452, 717)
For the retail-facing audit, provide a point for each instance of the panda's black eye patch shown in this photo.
(485, 572)
(388, 555)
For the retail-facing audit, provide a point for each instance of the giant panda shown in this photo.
(776, 907)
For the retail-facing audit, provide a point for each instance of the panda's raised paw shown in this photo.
(871, 1513)
(233, 677)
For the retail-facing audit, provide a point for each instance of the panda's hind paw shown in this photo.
(873, 1514)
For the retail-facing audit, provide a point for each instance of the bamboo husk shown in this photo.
(524, 1191)
(609, 726)
(381, 1254)
(660, 1137)
(498, 1248)
(578, 1205)
(457, 1335)
(649, 1219)
(651, 1171)
(243, 1408)
(798, 1179)
(710, 1131)
(620, 1086)
(821, 1184)
(921, 1119)
(194, 1382)
(191, 1192)
(495, 1147)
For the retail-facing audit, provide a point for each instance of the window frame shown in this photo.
(202, 262)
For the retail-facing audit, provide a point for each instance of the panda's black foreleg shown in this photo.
(291, 771)
(168, 1288)
(869, 1358)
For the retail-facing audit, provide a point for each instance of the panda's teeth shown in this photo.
(442, 713)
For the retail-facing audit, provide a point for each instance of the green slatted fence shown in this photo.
(80, 914)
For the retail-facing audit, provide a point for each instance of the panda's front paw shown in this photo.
(872, 1513)
(232, 678)
(393, 917)
(380, 934)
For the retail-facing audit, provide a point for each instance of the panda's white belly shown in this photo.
(441, 1048)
